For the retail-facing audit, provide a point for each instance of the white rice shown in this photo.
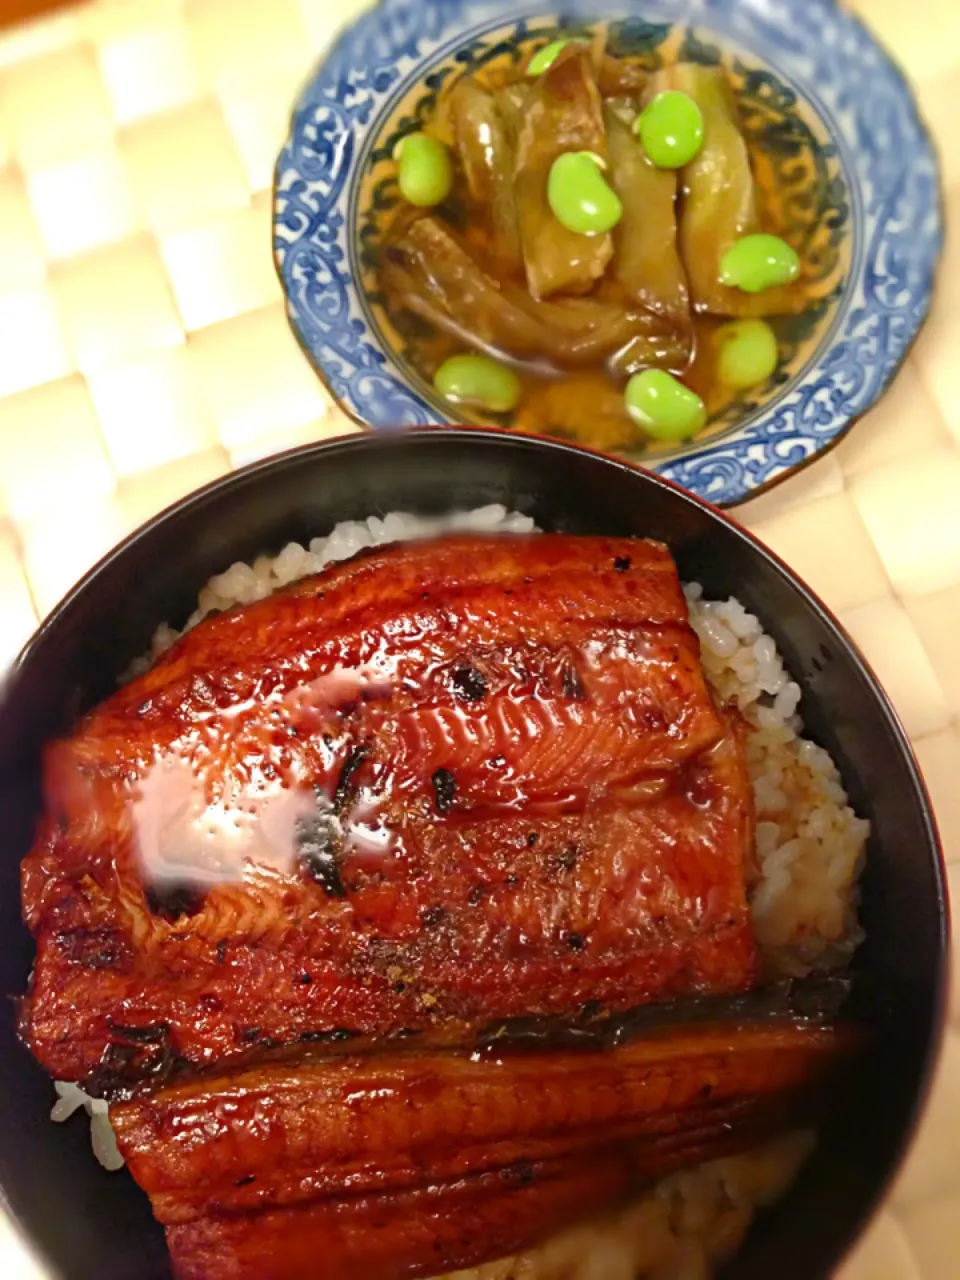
(71, 1098)
(810, 843)
(810, 854)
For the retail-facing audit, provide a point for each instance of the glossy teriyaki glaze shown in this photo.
(441, 784)
(387, 1163)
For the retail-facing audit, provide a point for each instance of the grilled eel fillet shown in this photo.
(482, 778)
(437, 786)
(421, 1161)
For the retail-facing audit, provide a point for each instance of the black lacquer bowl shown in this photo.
(90, 1225)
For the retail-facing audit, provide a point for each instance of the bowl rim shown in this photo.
(360, 443)
(698, 468)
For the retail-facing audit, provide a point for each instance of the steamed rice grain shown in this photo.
(810, 848)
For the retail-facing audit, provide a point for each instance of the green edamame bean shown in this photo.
(424, 171)
(755, 263)
(547, 56)
(579, 196)
(746, 353)
(663, 406)
(670, 128)
(479, 381)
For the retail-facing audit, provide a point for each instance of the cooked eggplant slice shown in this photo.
(646, 258)
(563, 112)
(719, 199)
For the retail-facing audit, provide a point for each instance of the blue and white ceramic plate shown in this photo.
(831, 109)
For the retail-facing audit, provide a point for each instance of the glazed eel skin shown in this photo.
(418, 1162)
(439, 787)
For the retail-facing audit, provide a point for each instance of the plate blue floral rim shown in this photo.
(823, 53)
